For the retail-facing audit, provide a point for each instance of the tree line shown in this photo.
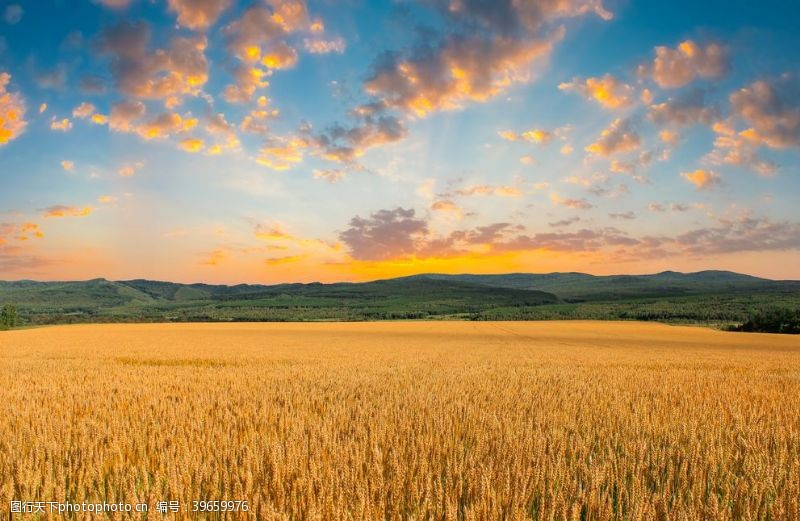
(9, 317)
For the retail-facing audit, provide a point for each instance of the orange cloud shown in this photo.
(702, 179)
(617, 138)
(68, 166)
(164, 74)
(688, 109)
(192, 144)
(485, 189)
(607, 90)
(330, 175)
(575, 204)
(198, 14)
(281, 153)
(129, 169)
(84, 110)
(287, 259)
(772, 109)
(67, 211)
(62, 125)
(259, 39)
(673, 68)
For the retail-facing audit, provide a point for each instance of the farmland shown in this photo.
(406, 420)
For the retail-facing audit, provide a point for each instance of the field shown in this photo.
(405, 420)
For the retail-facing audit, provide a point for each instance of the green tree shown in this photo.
(9, 317)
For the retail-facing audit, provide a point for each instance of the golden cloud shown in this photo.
(607, 90)
(12, 111)
(575, 204)
(67, 211)
(619, 137)
(192, 144)
(673, 68)
(68, 166)
(702, 179)
(129, 169)
(281, 153)
(61, 125)
(164, 74)
(330, 175)
(198, 14)
(772, 109)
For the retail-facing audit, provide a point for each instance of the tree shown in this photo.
(9, 317)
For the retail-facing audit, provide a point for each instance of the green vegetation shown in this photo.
(784, 321)
(8, 317)
(722, 299)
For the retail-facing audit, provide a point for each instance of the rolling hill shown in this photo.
(717, 297)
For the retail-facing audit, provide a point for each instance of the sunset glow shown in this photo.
(293, 141)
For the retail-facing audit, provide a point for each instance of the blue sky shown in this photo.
(278, 140)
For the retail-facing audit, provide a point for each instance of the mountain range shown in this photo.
(700, 296)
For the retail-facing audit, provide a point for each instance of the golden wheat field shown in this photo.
(402, 421)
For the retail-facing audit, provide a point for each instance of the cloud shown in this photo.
(91, 84)
(583, 240)
(256, 121)
(687, 109)
(345, 144)
(702, 179)
(12, 112)
(13, 14)
(59, 211)
(772, 109)
(68, 166)
(744, 234)
(323, 46)
(484, 49)
(281, 153)
(575, 204)
(124, 115)
(166, 74)
(385, 234)
(462, 68)
(330, 175)
(115, 4)
(84, 110)
(565, 222)
(672, 207)
(198, 15)
(669, 137)
(486, 189)
(673, 68)
(607, 90)
(192, 144)
(733, 148)
(535, 135)
(619, 137)
(60, 125)
(129, 169)
(19, 232)
(623, 215)
(259, 40)
(566, 150)
(448, 207)
(224, 133)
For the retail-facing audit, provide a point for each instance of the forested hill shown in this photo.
(716, 297)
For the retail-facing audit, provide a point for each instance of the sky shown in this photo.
(271, 141)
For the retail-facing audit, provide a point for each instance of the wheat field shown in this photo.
(402, 421)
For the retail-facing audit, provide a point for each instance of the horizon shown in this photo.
(274, 140)
(233, 283)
